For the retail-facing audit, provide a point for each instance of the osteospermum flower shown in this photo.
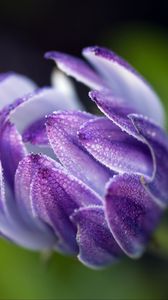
(105, 190)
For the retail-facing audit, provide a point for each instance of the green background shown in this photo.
(25, 275)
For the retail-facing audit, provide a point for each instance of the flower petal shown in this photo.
(115, 148)
(13, 227)
(157, 140)
(35, 106)
(126, 83)
(115, 110)
(76, 68)
(12, 151)
(25, 173)
(97, 247)
(144, 130)
(13, 86)
(36, 133)
(55, 196)
(131, 212)
(62, 130)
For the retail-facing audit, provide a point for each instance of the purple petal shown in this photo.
(25, 173)
(157, 141)
(144, 130)
(131, 212)
(36, 133)
(13, 227)
(115, 148)
(62, 130)
(55, 196)
(76, 68)
(12, 151)
(114, 109)
(126, 83)
(13, 86)
(35, 106)
(97, 247)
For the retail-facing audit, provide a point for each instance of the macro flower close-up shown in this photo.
(92, 186)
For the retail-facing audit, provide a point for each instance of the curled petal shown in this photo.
(62, 130)
(126, 82)
(115, 109)
(13, 227)
(25, 173)
(13, 86)
(115, 148)
(132, 213)
(157, 141)
(76, 68)
(55, 196)
(34, 106)
(97, 247)
(146, 131)
(12, 150)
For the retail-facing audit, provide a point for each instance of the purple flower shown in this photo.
(94, 186)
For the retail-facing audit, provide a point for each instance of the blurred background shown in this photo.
(139, 32)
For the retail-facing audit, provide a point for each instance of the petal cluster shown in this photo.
(81, 184)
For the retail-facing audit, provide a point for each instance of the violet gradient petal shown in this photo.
(97, 247)
(76, 68)
(131, 212)
(24, 175)
(36, 133)
(12, 150)
(15, 229)
(157, 140)
(115, 109)
(13, 86)
(62, 130)
(126, 82)
(55, 196)
(145, 131)
(33, 107)
(115, 148)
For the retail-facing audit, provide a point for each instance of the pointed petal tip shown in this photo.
(108, 54)
(93, 95)
(49, 54)
(57, 56)
(100, 51)
(89, 49)
(102, 96)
